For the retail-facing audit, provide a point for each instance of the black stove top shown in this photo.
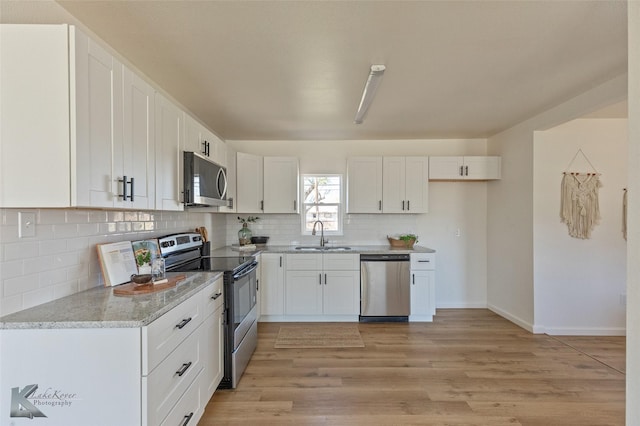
(227, 264)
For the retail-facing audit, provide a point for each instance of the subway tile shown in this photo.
(124, 227)
(37, 297)
(49, 278)
(9, 305)
(65, 289)
(9, 234)
(116, 216)
(10, 217)
(137, 226)
(21, 250)
(65, 231)
(53, 246)
(130, 216)
(64, 260)
(52, 217)
(77, 216)
(98, 216)
(11, 269)
(88, 229)
(19, 285)
(75, 244)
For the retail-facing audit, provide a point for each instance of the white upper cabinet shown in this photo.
(281, 185)
(465, 168)
(387, 184)
(405, 185)
(249, 183)
(135, 165)
(231, 181)
(169, 135)
(266, 184)
(201, 140)
(364, 185)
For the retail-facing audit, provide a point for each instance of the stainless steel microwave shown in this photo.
(205, 182)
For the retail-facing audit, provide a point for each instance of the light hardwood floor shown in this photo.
(468, 367)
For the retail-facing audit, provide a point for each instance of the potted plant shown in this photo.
(244, 234)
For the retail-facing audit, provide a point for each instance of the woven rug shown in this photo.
(327, 335)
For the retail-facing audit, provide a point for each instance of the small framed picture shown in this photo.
(145, 251)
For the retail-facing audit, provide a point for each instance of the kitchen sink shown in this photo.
(320, 248)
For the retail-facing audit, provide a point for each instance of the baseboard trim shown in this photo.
(457, 305)
(581, 331)
(514, 319)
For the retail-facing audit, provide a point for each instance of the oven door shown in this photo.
(244, 303)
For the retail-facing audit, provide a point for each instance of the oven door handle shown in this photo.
(246, 272)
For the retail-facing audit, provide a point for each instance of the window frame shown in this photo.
(340, 204)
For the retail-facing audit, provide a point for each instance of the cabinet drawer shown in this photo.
(164, 334)
(303, 261)
(423, 261)
(166, 384)
(189, 408)
(341, 262)
(213, 297)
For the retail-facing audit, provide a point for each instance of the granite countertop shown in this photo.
(100, 308)
(229, 251)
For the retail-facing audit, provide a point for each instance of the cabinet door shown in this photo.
(281, 185)
(138, 154)
(303, 292)
(482, 168)
(341, 293)
(272, 284)
(249, 183)
(231, 181)
(214, 352)
(193, 135)
(422, 295)
(216, 148)
(446, 167)
(35, 89)
(98, 123)
(417, 184)
(364, 185)
(393, 185)
(169, 137)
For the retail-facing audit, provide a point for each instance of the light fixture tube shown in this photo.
(375, 77)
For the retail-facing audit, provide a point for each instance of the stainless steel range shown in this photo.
(186, 252)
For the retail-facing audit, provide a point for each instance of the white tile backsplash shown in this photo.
(61, 259)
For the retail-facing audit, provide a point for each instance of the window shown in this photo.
(322, 200)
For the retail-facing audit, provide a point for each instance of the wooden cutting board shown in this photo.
(131, 289)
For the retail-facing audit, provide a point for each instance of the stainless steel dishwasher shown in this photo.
(384, 287)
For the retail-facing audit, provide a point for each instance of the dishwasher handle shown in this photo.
(384, 258)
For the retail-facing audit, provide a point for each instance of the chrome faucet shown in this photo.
(313, 232)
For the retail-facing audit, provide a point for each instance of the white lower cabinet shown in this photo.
(271, 286)
(164, 373)
(326, 285)
(423, 299)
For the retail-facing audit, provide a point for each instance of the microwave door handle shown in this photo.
(222, 175)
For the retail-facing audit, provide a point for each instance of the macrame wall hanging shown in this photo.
(579, 207)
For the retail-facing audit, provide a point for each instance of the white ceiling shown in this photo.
(296, 69)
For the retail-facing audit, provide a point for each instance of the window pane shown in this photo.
(327, 214)
(322, 189)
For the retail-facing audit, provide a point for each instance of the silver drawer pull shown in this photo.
(183, 369)
(183, 323)
(215, 296)
(187, 419)
(424, 261)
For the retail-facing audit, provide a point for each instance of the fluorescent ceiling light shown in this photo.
(375, 77)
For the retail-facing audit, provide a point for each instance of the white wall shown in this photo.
(510, 268)
(578, 283)
(61, 259)
(461, 261)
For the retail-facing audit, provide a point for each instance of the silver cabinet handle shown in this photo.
(325, 279)
(466, 170)
(295, 205)
(408, 205)
(461, 170)
(380, 205)
(320, 279)
(413, 279)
